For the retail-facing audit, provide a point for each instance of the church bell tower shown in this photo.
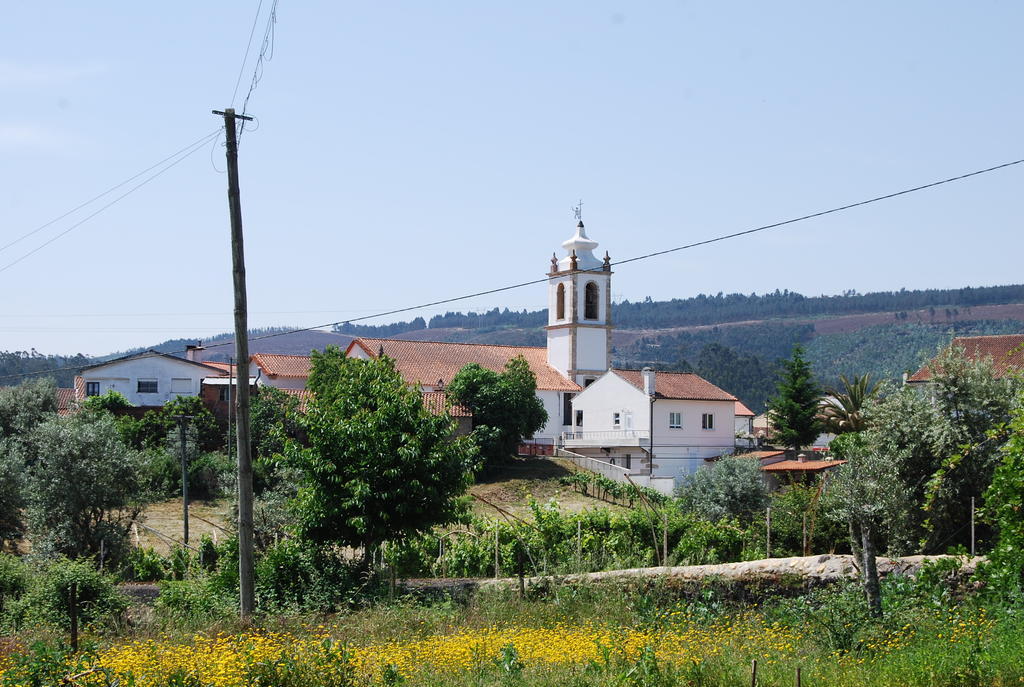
(579, 310)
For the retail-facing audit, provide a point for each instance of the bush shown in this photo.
(48, 597)
(298, 575)
(13, 580)
(144, 565)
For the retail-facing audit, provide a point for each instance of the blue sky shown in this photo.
(408, 152)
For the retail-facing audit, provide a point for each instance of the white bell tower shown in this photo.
(579, 310)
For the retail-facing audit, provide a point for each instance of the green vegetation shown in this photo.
(504, 404)
(793, 410)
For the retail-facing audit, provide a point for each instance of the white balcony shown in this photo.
(609, 438)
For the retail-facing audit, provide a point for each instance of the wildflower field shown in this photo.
(548, 643)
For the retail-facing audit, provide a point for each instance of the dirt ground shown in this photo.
(510, 486)
(162, 523)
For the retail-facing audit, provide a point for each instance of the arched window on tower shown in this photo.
(590, 301)
(560, 302)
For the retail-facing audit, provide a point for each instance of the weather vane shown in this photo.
(577, 210)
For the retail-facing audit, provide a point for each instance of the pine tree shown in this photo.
(793, 411)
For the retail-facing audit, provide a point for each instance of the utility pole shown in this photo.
(246, 580)
(182, 421)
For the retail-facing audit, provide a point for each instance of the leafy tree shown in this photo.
(865, 493)
(83, 486)
(505, 405)
(22, 408)
(842, 411)
(729, 487)
(112, 401)
(274, 420)
(378, 466)
(1003, 500)
(794, 409)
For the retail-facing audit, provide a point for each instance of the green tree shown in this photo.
(22, 409)
(504, 404)
(794, 409)
(84, 489)
(730, 487)
(865, 493)
(842, 410)
(378, 466)
(274, 420)
(1003, 500)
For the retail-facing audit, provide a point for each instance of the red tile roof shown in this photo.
(79, 388)
(436, 401)
(684, 386)
(1005, 351)
(291, 366)
(227, 368)
(743, 411)
(760, 455)
(66, 398)
(426, 362)
(805, 466)
(304, 395)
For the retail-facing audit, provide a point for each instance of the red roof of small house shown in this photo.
(437, 401)
(227, 368)
(743, 411)
(79, 387)
(801, 466)
(761, 455)
(290, 366)
(684, 386)
(425, 363)
(1006, 352)
(66, 398)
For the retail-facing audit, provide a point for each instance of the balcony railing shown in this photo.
(616, 437)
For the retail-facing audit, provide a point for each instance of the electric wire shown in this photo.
(266, 54)
(105, 193)
(646, 256)
(182, 156)
(245, 57)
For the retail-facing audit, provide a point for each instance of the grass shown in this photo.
(165, 517)
(629, 635)
(511, 485)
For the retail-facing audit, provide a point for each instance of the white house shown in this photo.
(659, 423)
(149, 378)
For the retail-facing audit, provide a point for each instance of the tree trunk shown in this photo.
(869, 572)
(855, 548)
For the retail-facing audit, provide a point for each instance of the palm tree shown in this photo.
(843, 411)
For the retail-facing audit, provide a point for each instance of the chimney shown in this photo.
(191, 352)
(648, 375)
(802, 457)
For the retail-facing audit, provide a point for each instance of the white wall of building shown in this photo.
(560, 349)
(173, 378)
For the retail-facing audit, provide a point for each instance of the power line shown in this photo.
(476, 294)
(191, 150)
(105, 193)
(266, 54)
(245, 57)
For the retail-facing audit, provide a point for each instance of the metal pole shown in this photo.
(246, 577)
(972, 526)
(182, 421)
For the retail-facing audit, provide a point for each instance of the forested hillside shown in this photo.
(16, 366)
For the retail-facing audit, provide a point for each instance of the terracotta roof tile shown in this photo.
(684, 386)
(1006, 352)
(79, 388)
(743, 411)
(226, 368)
(797, 466)
(436, 401)
(426, 362)
(761, 455)
(66, 398)
(291, 366)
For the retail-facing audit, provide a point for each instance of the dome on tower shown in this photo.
(584, 247)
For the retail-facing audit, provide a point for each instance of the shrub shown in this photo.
(13, 579)
(144, 565)
(48, 597)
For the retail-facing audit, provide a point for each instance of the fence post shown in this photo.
(768, 533)
(73, 613)
(972, 526)
(497, 552)
(798, 676)
(579, 545)
(753, 673)
(664, 539)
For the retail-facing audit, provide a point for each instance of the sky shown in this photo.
(406, 152)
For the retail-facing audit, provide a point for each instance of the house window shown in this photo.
(587, 382)
(616, 420)
(567, 409)
(92, 388)
(675, 420)
(560, 302)
(181, 385)
(146, 386)
(629, 461)
(224, 394)
(590, 301)
(579, 418)
(707, 421)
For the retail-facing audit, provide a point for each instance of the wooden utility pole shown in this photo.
(182, 421)
(246, 581)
